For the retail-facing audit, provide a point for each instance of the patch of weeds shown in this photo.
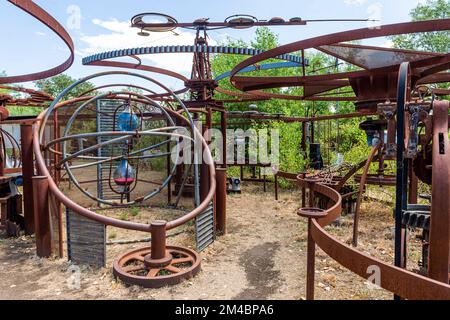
(112, 234)
(134, 211)
(124, 216)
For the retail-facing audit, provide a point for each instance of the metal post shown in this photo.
(310, 264)
(402, 165)
(158, 230)
(221, 200)
(26, 140)
(276, 186)
(439, 249)
(42, 216)
(223, 129)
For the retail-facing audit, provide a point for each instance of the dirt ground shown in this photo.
(263, 256)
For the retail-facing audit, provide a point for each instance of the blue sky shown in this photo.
(104, 25)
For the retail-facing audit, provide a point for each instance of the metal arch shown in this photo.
(357, 34)
(40, 14)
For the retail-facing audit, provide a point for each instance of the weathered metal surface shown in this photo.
(439, 258)
(132, 268)
(221, 200)
(26, 140)
(42, 216)
(404, 283)
(205, 228)
(86, 240)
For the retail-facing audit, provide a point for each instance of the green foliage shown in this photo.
(350, 137)
(430, 41)
(134, 211)
(55, 85)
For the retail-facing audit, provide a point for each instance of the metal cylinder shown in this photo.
(311, 261)
(221, 200)
(26, 141)
(158, 230)
(42, 216)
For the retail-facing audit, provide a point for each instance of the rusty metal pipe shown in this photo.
(42, 216)
(221, 200)
(26, 140)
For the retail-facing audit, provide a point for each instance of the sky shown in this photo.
(104, 25)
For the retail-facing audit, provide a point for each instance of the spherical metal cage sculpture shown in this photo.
(153, 266)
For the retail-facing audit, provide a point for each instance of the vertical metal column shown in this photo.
(42, 216)
(439, 250)
(26, 141)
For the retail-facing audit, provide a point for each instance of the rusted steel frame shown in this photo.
(37, 12)
(26, 140)
(439, 249)
(397, 280)
(362, 183)
(42, 216)
(404, 283)
(358, 34)
(349, 174)
(40, 163)
(334, 210)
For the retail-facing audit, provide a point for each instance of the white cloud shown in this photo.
(40, 33)
(355, 2)
(120, 35)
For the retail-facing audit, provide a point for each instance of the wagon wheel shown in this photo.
(135, 268)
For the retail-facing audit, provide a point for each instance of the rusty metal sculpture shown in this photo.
(417, 69)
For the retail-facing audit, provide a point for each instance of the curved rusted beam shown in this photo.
(365, 33)
(40, 14)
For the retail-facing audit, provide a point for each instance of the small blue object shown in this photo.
(127, 120)
(18, 181)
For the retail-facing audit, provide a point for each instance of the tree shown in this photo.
(291, 159)
(55, 85)
(430, 41)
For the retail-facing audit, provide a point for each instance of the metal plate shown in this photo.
(86, 240)
(204, 228)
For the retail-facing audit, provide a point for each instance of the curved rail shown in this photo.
(253, 84)
(402, 282)
(40, 14)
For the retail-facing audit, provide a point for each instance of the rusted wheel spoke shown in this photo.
(138, 257)
(153, 272)
(172, 269)
(182, 260)
(132, 268)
